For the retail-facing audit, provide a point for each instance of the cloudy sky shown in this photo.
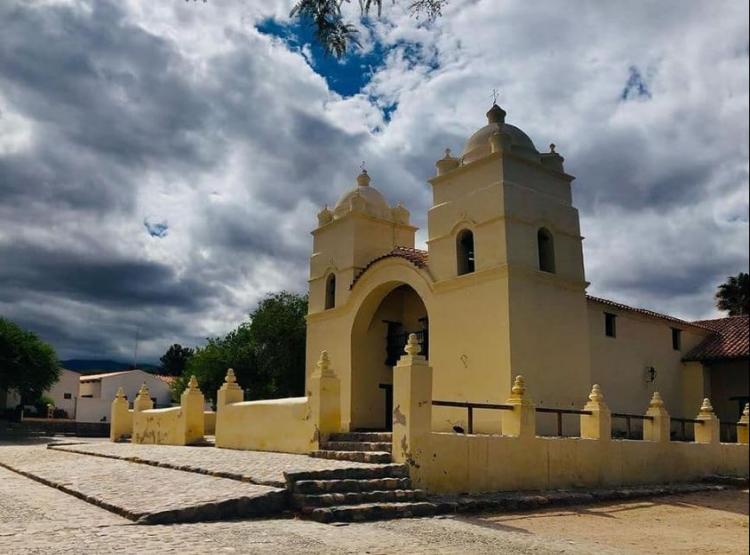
(161, 163)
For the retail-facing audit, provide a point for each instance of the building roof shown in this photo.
(169, 380)
(646, 312)
(731, 340)
(417, 257)
(94, 377)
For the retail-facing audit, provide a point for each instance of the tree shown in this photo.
(267, 352)
(734, 295)
(336, 35)
(28, 365)
(173, 362)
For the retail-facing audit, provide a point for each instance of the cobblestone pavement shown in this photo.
(142, 491)
(38, 519)
(260, 467)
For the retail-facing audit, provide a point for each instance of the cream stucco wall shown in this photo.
(67, 385)
(619, 363)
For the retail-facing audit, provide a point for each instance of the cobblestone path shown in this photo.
(35, 518)
(140, 491)
(260, 467)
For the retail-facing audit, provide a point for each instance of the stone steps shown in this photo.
(354, 456)
(318, 487)
(372, 511)
(379, 446)
(309, 502)
(362, 436)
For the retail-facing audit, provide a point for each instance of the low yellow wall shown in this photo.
(209, 422)
(474, 463)
(284, 425)
(159, 426)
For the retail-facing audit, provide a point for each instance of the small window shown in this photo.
(465, 252)
(546, 246)
(610, 324)
(67, 396)
(330, 291)
(676, 339)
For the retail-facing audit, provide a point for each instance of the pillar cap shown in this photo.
(656, 400)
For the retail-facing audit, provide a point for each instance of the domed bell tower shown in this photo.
(502, 227)
(361, 227)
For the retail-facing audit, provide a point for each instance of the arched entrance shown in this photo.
(381, 328)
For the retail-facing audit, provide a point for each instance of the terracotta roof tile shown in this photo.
(645, 312)
(730, 340)
(417, 257)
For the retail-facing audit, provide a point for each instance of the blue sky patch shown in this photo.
(636, 87)
(157, 229)
(346, 76)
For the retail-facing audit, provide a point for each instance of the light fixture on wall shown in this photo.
(650, 374)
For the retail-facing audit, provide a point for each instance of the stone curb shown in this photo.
(527, 501)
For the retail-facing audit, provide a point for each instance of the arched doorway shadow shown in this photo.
(385, 319)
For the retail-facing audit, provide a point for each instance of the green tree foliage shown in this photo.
(336, 35)
(267, 352)
(734, 295)
(174, 361)
(28, 365)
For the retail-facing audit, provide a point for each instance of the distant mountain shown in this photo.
(96, 366)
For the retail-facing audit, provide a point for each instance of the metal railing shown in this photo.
(470, 407)
(559, 413)
(628, 422)
(682, 421)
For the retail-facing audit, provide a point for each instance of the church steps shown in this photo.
(362, 436)
(372, 511)
(310, 502)
(318, 487)
(355, 456)
(379, 446)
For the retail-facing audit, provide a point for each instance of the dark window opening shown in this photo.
(546, 246)
(67, 396)
(610, 325)
(330, 291)
(465, 252)
(676, 339)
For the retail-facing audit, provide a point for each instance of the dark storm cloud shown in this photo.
(99, 279)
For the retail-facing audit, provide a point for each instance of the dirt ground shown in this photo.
(706, 523)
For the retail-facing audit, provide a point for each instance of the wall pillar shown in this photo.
(229, 392)
(657, 429)
(325, 398)
(521, 420)
(412, 408)
(743, 426)
(143, 399)
(122, 420)
(598, 424)
(708, 430)
(191, 403)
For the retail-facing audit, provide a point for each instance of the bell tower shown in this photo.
(502, 219)
(361, 227)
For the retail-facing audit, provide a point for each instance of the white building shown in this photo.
(97, 391)
(64, 392)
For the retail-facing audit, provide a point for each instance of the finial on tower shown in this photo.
(230, 377)
(495, 94)
(363, 179)
(496, 114)
(552, 148)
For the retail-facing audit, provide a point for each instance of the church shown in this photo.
(500, 291)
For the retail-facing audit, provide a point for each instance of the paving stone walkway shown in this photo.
(141, 492)
(258, 467)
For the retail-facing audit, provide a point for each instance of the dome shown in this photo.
(478, 145)
(363, 198)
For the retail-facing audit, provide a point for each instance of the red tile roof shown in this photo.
(731, 340)
(646, 312)
(416, 256)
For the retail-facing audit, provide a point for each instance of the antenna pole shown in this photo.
(135, 351)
